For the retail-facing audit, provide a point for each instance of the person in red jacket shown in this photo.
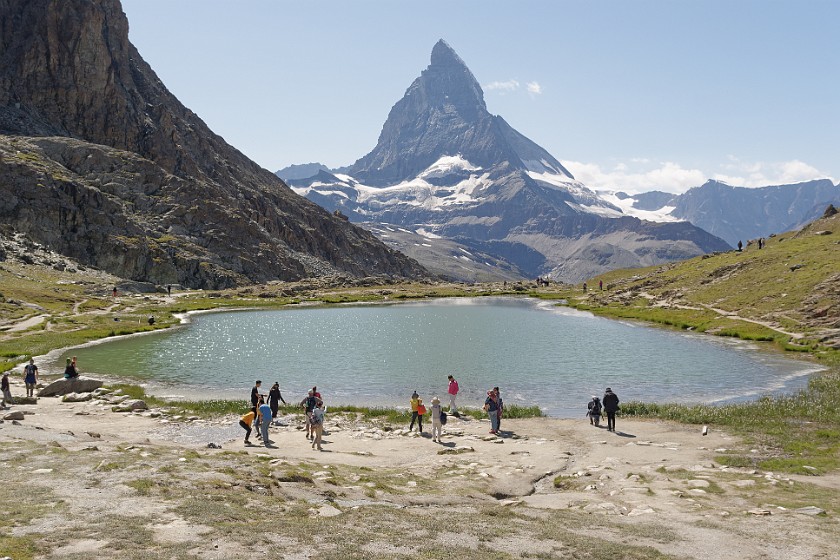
(453, 392)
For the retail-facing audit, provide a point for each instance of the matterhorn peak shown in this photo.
(448, 82)
(444, 54)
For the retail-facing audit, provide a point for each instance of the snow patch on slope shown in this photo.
(626, 204)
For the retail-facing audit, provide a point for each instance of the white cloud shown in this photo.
(534, 88)
(740, 173)
(639, 175)
(667, 176)
(510, 85)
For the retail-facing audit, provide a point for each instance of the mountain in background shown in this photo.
(100, 162)
(301, 171)
(470, 197)
(737, 213)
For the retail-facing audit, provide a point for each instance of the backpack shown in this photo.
(421, 409)
(594, 407)
(442, 417)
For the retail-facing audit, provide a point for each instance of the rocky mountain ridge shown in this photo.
(738, 213)
(445, 168)
(102, 163)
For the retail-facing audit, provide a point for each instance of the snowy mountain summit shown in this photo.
(445, 167)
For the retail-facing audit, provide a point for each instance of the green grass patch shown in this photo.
(790, 431)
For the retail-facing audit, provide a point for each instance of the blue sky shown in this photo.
(628, 95)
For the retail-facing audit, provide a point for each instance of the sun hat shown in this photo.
(435, 400)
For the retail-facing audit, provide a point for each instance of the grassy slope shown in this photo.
(720, 294)
(755, 284)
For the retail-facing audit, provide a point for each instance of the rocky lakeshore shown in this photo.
(105, 475)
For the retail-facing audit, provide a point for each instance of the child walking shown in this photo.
(437, 426)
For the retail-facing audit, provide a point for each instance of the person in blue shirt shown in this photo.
(265, 420)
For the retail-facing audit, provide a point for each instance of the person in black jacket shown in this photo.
(274, 398)
(610, 402)
(255, 400)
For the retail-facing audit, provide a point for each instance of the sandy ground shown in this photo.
(647, 480)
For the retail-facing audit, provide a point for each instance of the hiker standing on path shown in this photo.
(30, 373)
(7, 393)
(491, 407)
(453, 392)
(610, 402)
(501, 406)
(274, 398)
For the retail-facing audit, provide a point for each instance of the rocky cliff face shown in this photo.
(103, 163)
(445, 167)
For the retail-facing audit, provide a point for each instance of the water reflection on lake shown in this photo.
(378, 354)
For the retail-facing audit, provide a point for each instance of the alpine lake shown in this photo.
(377, 355)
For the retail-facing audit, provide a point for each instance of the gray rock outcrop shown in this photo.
(63, 386)
(101, 163)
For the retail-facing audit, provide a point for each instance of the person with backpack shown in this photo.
(318, 424)
(500, 408)
(309, 402)
(594, 411)
(610, 402)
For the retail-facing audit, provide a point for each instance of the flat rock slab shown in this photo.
(61, 387)
(77, 397)
(810, 510)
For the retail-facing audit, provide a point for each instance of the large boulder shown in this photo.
(66, 386)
